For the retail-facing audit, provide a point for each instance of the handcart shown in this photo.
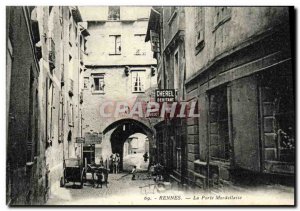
(73, 171)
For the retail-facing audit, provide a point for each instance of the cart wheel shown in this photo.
(62, 182)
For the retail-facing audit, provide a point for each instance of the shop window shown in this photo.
(98, 85)
(115, 42)
(138, 81)
(218, 120)
(278, 117)
(113, 13)
(199, 28)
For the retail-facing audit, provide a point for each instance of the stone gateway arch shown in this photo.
(116, 133)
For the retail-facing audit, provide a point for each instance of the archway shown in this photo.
(136, 152)
(122, 130)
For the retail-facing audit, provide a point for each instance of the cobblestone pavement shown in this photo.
(119, 187)
(122, 190)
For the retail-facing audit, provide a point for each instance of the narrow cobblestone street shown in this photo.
(121, 190)
(119, 185)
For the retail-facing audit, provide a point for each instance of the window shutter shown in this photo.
(199, 26)
(118, 44)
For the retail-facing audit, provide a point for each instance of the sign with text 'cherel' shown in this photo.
(165, 95)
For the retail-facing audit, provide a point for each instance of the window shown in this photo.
(140, 45)
(115, 41)
(218, 120)
(98, 86)
(222, 14)
(113, 13)
(155, 43)
(86, 82)
(70, 33)
(199, 29)
(278, 116)
(89, 154)
(138, 81)
(60, 15)
(71, 115)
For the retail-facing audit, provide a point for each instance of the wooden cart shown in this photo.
(73, 171)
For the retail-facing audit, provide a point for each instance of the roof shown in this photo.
(153, 23)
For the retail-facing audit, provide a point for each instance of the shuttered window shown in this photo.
(218, 119)
(71, 114)
(199, 28)
(115, 44)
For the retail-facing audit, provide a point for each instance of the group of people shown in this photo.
(114, 163)
(156, 170)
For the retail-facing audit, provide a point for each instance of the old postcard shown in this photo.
(150, 105)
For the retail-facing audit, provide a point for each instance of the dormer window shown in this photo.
(114, 13)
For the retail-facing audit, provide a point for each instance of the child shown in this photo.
(133, 173)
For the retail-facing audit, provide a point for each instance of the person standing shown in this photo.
(146, 156)
(133, 172)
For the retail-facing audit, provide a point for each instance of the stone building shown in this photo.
(119, 67)
(168, 25)
(45, 97)
(61, 72)
(237, 63)
(24, 181)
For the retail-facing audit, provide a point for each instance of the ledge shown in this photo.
(238, 47)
